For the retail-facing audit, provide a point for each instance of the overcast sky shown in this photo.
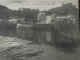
(36, 4)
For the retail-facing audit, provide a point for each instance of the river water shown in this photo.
(36, 44)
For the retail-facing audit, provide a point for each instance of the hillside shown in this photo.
(65, 8)
(2, 7)
(27, 13)
(4, 12)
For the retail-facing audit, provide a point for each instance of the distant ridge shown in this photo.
(65, 8)
(3, 7)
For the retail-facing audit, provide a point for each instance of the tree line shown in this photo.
(26, 13)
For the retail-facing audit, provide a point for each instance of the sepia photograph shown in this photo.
(39, 30)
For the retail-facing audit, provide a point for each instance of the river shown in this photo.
(35, 44)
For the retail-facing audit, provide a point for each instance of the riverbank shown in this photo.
(20, 49)
(17, 49)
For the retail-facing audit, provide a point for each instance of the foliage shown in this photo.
(65, 8)
(26, 13)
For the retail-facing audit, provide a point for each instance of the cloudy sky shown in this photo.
(36, 4)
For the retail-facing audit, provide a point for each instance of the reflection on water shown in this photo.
(49, 45)
(41, 36)
(48, 37)
(8, 32)
(27, 33)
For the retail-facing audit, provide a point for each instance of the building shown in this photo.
(13, 20)
(41, 17)
(62, 17)
(44, 18)
(56, 17)
(48, 20)
(21, 20)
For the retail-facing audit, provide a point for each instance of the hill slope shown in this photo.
(65, 8)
